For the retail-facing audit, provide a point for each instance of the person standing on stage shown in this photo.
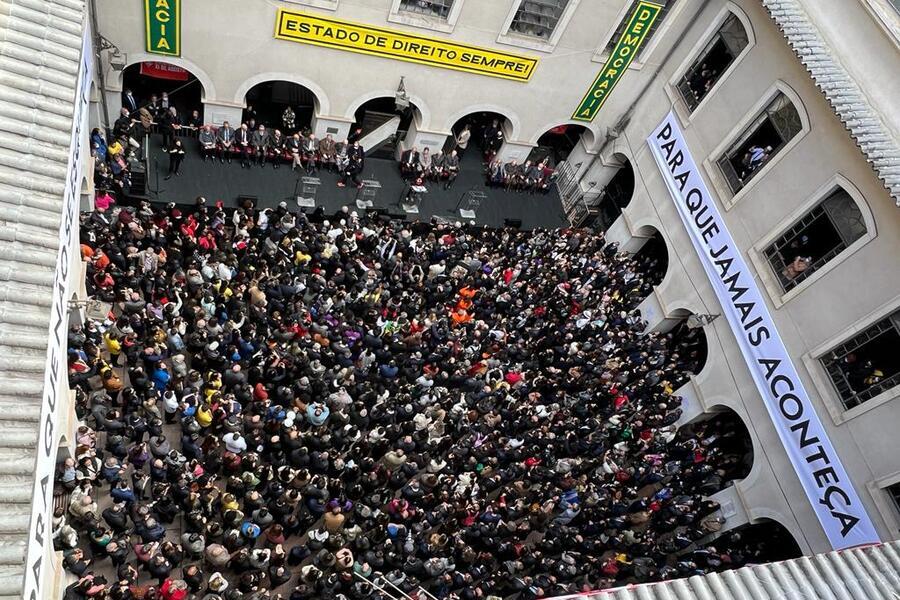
(176, 156)
(170, 124)
(462, 140)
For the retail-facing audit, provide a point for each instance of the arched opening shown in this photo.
(155, 84)
(725, 451)
(764, 541)
(557, 143)
(616, 195)
(687, 343)
(487, 133)
(267, 103)
(382, 124)
(653, 259)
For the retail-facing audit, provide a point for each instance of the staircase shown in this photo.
(377, 131)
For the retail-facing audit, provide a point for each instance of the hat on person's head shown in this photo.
(217, 582)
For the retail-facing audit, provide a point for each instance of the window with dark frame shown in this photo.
(614, 39)
(713, 61)
(867, 364)
(817, 238)
(761, 141)
(538, 18)
(894, 491)
(439, 9)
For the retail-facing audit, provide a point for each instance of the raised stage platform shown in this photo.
(227, 182)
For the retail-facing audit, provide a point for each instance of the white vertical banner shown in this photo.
(40, 533)
(828, 487)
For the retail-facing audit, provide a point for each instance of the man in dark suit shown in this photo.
(129, 101)
(225, 142)
(409, 163)
(242, 141)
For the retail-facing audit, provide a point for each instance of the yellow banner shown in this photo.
(399, 45)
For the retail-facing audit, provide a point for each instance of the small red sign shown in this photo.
(162, 70)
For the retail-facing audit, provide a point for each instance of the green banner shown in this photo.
(162, 19)
(621, 56)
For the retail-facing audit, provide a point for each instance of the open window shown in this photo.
(831, 227)
(867, 364)
(538, 18)
(438, 9)
(765, 137)
(894, 493)
(724, 47)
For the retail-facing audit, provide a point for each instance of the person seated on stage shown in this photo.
(207, 141)
(415, 191)
(355, 162)
(513, 175)
(327, 150)
(409, 163)
(276, 149)
(424, 163)
(225, 142)
(260, 141)
(532, 173)
(437, 166)
(295, 147)
(451, 169)
(242, 143)
(311, 154)
(495, 174)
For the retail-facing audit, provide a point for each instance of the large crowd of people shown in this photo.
(283, 405)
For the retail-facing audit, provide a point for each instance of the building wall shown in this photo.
(211, 39)
(861, 286)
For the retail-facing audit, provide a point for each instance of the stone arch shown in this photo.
(208, 88)
(422, 114)
(512, 119)
(323, 105)
(589, 136)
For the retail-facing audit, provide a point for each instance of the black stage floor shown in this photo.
(226, 182)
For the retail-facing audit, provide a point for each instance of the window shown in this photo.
(714, 60)
(433, 8)
(818, 237)
(867, 364)
(894, 490)
(763, 139)
(614, 39)
(538, 18)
